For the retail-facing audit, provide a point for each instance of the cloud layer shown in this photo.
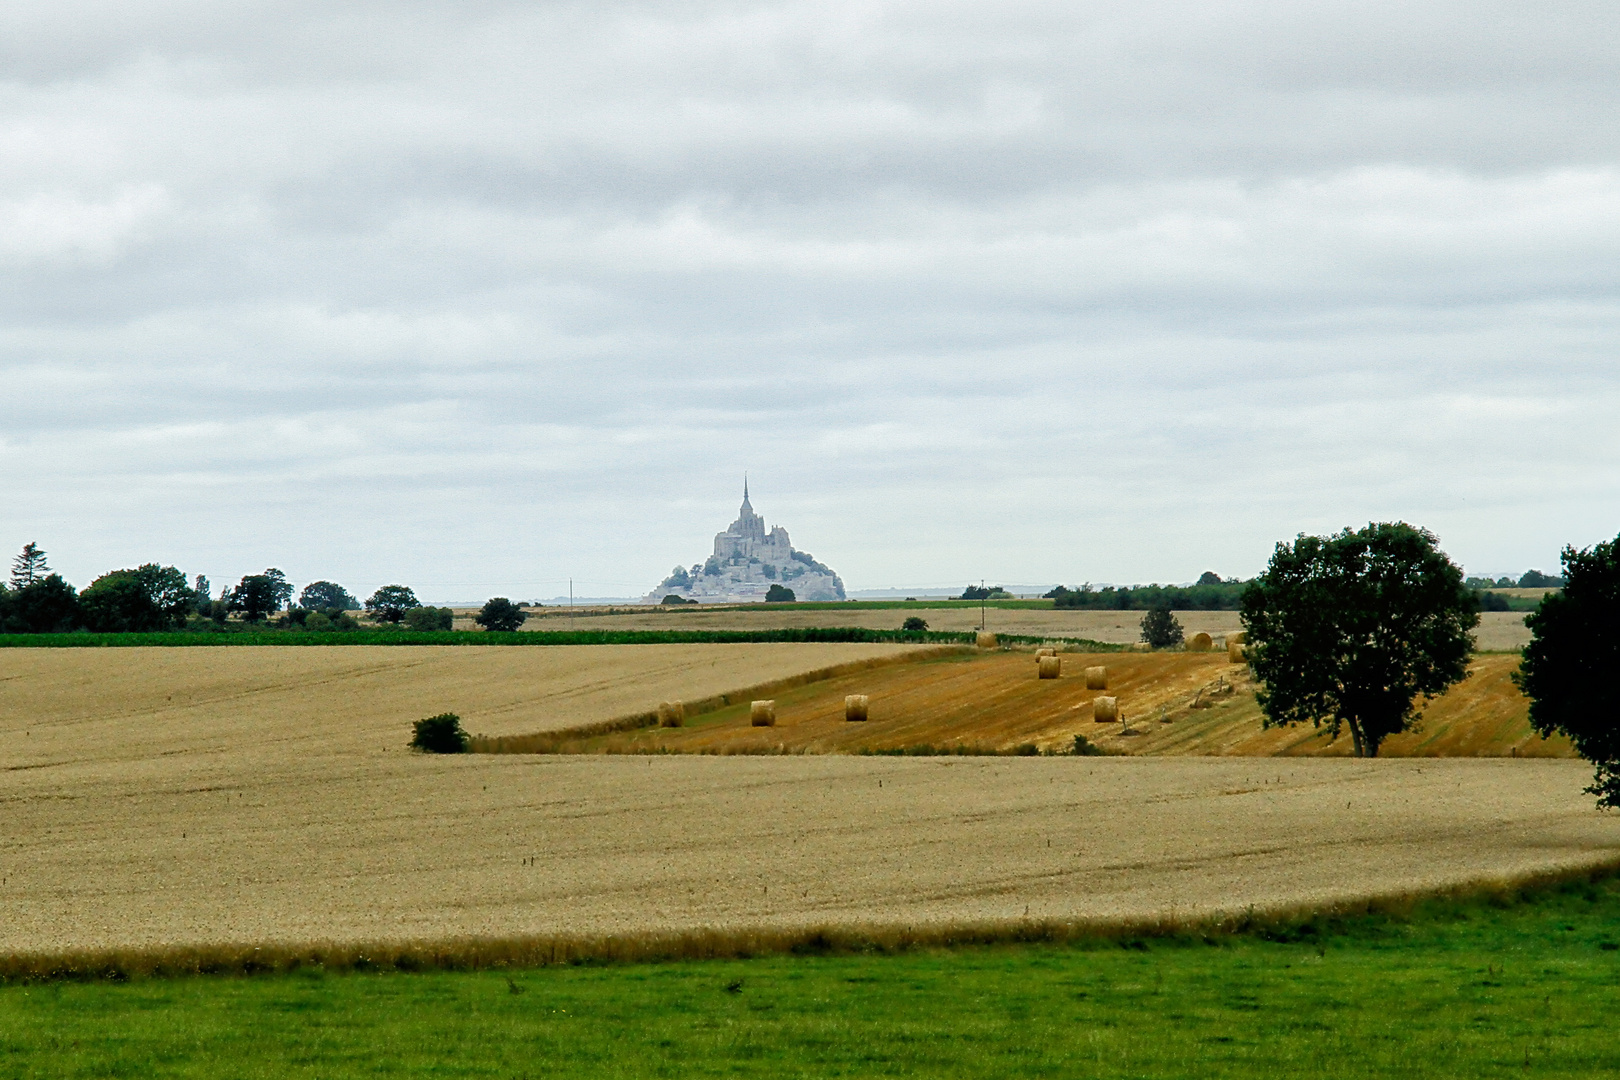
(485, 296)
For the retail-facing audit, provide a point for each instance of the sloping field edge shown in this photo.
(800, 635)
(740, 943)
(549, 742)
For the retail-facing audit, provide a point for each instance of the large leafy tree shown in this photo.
(1570, 665)
(255, 597)
(280, 588)
(499, 613)
(327, 596)
(149, 597)
(391, 602)
(48, 605)
(1350, 630)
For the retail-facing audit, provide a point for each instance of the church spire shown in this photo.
(745, 493)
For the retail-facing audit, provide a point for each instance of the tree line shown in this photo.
(152, 597)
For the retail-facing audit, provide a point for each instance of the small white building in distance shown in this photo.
(746, 562)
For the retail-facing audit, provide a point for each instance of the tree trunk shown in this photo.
(1355, 735)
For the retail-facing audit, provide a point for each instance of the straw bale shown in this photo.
(763, 713)
(1049, 667)
(671, 714)
(1105, 710)
(1241, 637)
(855, 706)
(1046, 650)
(1200, 642)
(1096, 678)
(986, 640)
(1237, 652)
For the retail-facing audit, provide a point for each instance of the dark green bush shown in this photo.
(779, 594)
(1086, 748)
(440, 734)
(1160, 629)
(430, 618)
(499, 613)
(913, 624)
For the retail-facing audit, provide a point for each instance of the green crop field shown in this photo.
(1470, 989)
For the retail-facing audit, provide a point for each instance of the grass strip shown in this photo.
(834, 634)
(1518, 985)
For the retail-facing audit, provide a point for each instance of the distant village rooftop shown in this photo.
(747, 561)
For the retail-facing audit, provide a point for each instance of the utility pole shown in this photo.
(570, 598)
(982, 595)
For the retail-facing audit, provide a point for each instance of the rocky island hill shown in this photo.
(747, 561)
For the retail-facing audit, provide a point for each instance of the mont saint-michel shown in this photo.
(746, 562)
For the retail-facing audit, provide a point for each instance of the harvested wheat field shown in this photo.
(1498, 630)
(1172, 703)
(76, 704)
(191, 797)
(355, 846)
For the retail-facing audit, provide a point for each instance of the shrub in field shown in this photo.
(316, 620)
(1085, 748)
(914, 625)
(390, 603)
(499, 613)
(1161, 630)
(1569, 667)
(779, 594)
(440, 734)
(430, 618)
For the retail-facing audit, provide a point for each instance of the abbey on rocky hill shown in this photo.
(746, 562)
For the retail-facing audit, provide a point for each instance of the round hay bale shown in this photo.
(1200, 642)
(671, 714)
(1049, 667)
(1237, 652)
(1139, 646)
(763, 713)
(1045, 650)
(1241, 637)
(986, 640)
(1105, 710)
(1096, 678)
(856, 706)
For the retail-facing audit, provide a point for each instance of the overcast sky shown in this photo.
(481, 296)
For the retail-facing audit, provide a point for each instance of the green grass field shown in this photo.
(1456, 990)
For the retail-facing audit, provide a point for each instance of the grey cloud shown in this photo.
(1042, 291)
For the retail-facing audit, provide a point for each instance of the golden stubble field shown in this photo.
(286, 811)
(1173, 702)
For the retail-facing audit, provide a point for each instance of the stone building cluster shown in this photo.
(747, 561)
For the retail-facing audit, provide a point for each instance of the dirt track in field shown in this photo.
(226, 816)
